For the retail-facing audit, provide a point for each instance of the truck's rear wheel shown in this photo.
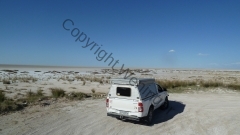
(165, 104)
(149, 116)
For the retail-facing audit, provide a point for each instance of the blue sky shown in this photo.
(158, 34)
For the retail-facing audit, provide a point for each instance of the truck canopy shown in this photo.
(145, 87)
(132, 81)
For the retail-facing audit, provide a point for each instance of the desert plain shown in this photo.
(202, 101)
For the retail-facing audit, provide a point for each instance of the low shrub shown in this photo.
(2, 96)
(234, 86)
(180, 85)
(57, 92)
(208, 84)
(93, 90)
(39, 92)
(77, 95)
(96, 79)
(5, 81)
(32, 97)
(170, 84)
(8, 104)
(84, 82)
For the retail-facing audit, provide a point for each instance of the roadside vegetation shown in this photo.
(182, 85)
(7, 104)
(38, 98)
(16, 78)
(32, 97)
(57, 92)
(5, 81)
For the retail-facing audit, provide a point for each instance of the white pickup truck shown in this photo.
(135, 99)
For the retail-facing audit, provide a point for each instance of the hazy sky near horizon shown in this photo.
(161, 34)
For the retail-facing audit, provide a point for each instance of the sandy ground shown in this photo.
(203, 111)
(210, 114)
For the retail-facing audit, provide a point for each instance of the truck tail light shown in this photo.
(107, 102)
(140, 107)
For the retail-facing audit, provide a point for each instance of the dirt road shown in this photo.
(211, 114)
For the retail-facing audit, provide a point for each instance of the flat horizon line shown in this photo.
(64, 66)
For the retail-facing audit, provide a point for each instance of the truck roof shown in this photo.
(132, 81)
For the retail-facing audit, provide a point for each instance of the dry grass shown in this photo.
(76, 96)
(234, 86)
(171, 84)
(7, 104)
(6, 81)
(32, 97)
(92, 79)
(40, 92)
(93, 90)
(84, 82)
(181, 85)
(62, 78)
(207, 84)
(57, 92)
(96, 79)
(23, 79)
(79, 78)
(6, 87)
(2, 96)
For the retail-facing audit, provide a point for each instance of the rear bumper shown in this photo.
(116, 115)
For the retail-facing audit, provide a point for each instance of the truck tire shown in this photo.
(149, 116)
(165, 104)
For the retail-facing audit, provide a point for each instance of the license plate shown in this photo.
(123, 113)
